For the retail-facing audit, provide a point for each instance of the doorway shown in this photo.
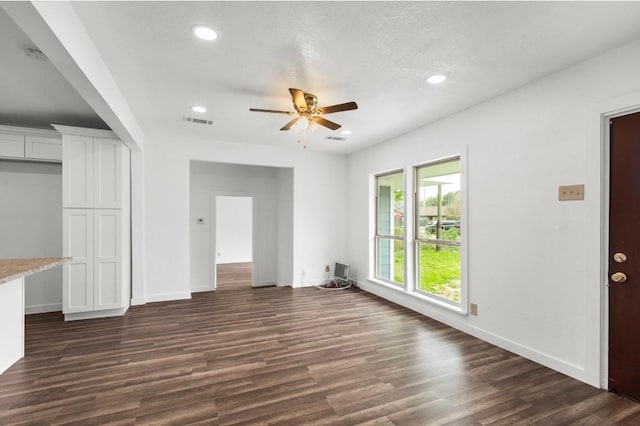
(233, 254)
(624, 256)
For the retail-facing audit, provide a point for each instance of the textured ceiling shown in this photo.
(375, 53)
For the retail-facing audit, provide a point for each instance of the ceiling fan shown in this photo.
(307, 110)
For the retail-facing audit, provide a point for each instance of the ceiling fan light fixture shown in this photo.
(345, 132)
(198, 108)
(303, 123)
(436, 79)
(204, 32)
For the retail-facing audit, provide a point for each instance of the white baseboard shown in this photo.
(41, 309)
(562, 366)
(138, 301)
(265, 284)
(201, 289)
(95, 314)
(164, 297)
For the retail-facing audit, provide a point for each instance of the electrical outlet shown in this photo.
(327, 268)
(473, 309)
(570, 192)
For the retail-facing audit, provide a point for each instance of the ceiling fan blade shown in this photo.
(326, 123)
(337, 108)
(290, 124)
(298, 100)
(271, 110)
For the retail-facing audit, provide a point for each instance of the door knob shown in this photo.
(620, 257)
(619, 277)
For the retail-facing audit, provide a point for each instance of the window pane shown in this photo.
(390, 259)
(439, 270)
(390, 215)
(438, 201)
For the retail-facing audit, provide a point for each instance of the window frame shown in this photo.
(462, 305)
(377, 236)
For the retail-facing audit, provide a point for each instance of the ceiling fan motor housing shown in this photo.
(312, 102)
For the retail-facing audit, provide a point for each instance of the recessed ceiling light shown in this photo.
(345, 132)
(204, 33)
(198, 109)
(437, 78)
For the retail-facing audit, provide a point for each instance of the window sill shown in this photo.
(462, 310)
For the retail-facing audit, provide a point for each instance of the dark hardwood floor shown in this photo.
(284, 356)
(233, 275)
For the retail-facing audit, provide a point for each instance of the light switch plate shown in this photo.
(473, 309)
(570, 192)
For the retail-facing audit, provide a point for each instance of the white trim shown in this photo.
(410, 273)
(138, 301)
(201, 289)
(85, 131)
(95, 314)
(597, 139)
(165, 297)
(41, 309)
(458, 322)
(27, 131)
(269, 283)
(212, 233)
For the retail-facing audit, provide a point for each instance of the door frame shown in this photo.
(212, 233)
(598, 159)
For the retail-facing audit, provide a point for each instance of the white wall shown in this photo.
(285, 226)
(234, 229)
(209, 179)
(166, 207)
(31, 226)
(534, 262)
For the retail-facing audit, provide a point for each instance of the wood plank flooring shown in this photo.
(233, 275)
(284, 356)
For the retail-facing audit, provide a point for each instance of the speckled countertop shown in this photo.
(10, 269)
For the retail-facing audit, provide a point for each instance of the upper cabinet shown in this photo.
(20, 143)
(93, 169)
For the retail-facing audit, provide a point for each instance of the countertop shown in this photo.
(10, 269)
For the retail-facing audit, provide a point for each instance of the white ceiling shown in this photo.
(32, 92)
(375, 53)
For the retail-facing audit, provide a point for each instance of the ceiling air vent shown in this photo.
(335, 138)
(198, 120)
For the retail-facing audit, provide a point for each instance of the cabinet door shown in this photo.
(77, 171)
(11, 145)
(42, 148)
(77, 275)
(107, 169)
(107, 272)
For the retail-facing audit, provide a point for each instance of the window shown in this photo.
(437, 230)
(389, 239)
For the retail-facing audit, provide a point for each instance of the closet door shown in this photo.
(77, 275)
(107, 272)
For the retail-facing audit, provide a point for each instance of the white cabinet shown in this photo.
(92, 172)
(21, 143)
(43, 148)
(96, 229)
(11, 145)
(93, 279)
(77, 275)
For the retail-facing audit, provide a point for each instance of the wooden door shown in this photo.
(624, 256)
